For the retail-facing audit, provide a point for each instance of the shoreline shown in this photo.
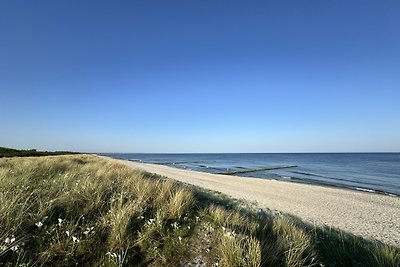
(331, 185)
(334, 182)
(289, 180)
(370, 215)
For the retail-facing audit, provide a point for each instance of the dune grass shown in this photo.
(83, 210)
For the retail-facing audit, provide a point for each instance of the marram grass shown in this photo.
(87, 211)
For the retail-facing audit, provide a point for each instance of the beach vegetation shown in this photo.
(85, 210)
(11, 152)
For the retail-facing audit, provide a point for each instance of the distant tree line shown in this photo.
(10, 152)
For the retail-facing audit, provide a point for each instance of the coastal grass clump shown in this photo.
(84, 210)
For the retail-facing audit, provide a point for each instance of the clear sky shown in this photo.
(200, 76)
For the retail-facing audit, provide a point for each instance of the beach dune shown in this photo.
(373, 216)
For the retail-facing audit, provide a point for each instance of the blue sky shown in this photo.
(200, 76)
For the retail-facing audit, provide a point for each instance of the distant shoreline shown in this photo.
(322, 172)
(294, 180)
(350, 210)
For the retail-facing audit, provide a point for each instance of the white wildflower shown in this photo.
(60, 221)
(88, 230)
(14, 248)
(188, 226)
(7, 240)
(151, 221)
(175, 225)
(12, 239)
(68, 233)
(180, 238)
(197, 219)
(74, 239)
(39, 224)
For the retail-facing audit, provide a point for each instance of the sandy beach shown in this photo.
(370, 215)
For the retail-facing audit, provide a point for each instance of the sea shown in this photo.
(372, 172)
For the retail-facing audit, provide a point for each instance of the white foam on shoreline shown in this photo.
(365, 190)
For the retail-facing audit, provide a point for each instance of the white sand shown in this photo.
(370, 215)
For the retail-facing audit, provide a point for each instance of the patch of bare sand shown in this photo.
(370, 215)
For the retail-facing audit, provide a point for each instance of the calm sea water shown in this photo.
(378, 172)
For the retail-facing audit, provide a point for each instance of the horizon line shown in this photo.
(243, 152)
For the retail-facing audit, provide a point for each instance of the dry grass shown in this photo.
(63, 206)
(283, 239)
(83, 210)
(237, 250)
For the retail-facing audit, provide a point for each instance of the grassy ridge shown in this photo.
(82, 210)
(11, 152)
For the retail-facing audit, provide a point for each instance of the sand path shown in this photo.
(370, 215)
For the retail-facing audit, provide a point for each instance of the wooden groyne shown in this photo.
(258, 169)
